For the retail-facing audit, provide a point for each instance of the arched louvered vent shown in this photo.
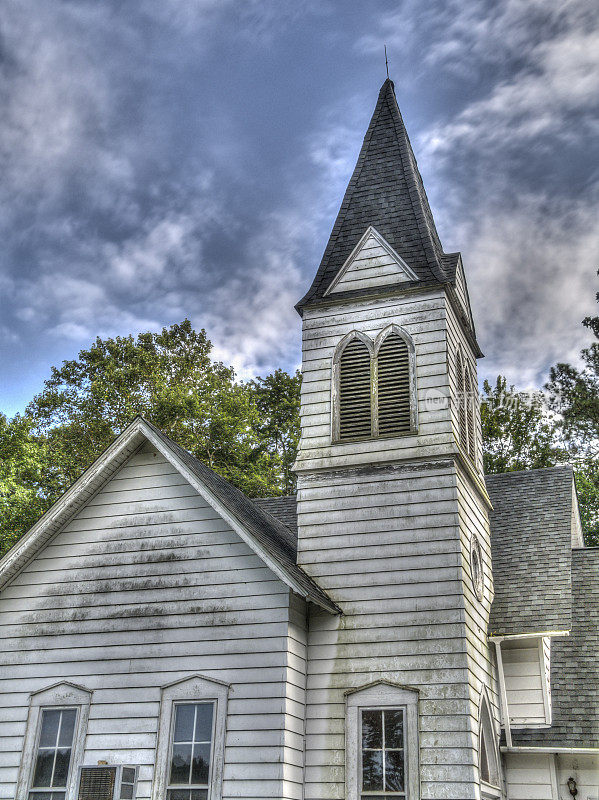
(355, 409)
(393, 386)
(470, 403)
(462, 400)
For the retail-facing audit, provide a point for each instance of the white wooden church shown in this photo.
(402, 628)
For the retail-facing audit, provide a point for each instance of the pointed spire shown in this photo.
(385, 191)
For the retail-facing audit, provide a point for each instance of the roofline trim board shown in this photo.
(30, 540)
(535, 635)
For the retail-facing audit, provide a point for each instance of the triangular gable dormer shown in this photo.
(372, 263)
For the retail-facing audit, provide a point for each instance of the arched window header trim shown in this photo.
(362, 337)
(373, 346)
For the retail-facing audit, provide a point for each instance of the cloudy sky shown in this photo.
(170, 158)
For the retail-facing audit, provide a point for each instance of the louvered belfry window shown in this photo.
(374, 389)
(393, 386)
(355, 392)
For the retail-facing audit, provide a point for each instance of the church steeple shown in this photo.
(387, 193)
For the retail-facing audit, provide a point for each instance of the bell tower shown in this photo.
(392, 507)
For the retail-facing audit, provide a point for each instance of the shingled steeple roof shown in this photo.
(387, 193)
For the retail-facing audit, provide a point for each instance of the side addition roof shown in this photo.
(387, 192)
(574, 667)
(269, 537)
(531, 549)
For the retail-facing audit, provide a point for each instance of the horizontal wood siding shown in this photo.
(482, 672)
(147, 585)
(524, 677)
(385, 544)
(371, 266)
(531, 776)
(423, 316)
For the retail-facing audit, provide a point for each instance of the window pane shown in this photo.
(372, 728)
(181, 763)
(49, 731)
(178, 794)
(46, 795)
(394, 771)
(184, 715)
(201, 763)
(67, 727)
(128, 775)
(393, 729)
(127, 791)
(203, 732)
(187, 794)
(61, 767)
(43, 768)
(372, 770)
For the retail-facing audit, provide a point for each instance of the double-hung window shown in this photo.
(53, 743)
(383, 765)
(381, 746)
(53, 754)
(191, 750)
(191, 740)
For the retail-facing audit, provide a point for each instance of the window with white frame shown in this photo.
(53, 743)
(53, 754)
(382, 743)
(191, 745)
(191, 740)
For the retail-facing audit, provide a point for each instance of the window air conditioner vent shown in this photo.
(107, 782)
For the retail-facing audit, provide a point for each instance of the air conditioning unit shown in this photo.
(107, 782)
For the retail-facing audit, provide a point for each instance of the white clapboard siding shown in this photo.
(372, 265)
(532, 777)
(147, 585)
(525, 675)
(404, 617)
(584, 768)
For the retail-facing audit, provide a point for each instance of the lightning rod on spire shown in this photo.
(386, 62)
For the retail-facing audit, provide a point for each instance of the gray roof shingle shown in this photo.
(574, 666)
(387, 192)
(531, 548)
(278, 540)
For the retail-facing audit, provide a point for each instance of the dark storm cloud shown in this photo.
(187, 158)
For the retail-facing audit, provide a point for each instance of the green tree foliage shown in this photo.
(247, 432)
(575, 395)
(517, 431)
(277, 399)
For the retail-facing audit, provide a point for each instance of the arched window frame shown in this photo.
(382, 335)
(373, 350)
(467, 407)
(490, 790)
(350, 337)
